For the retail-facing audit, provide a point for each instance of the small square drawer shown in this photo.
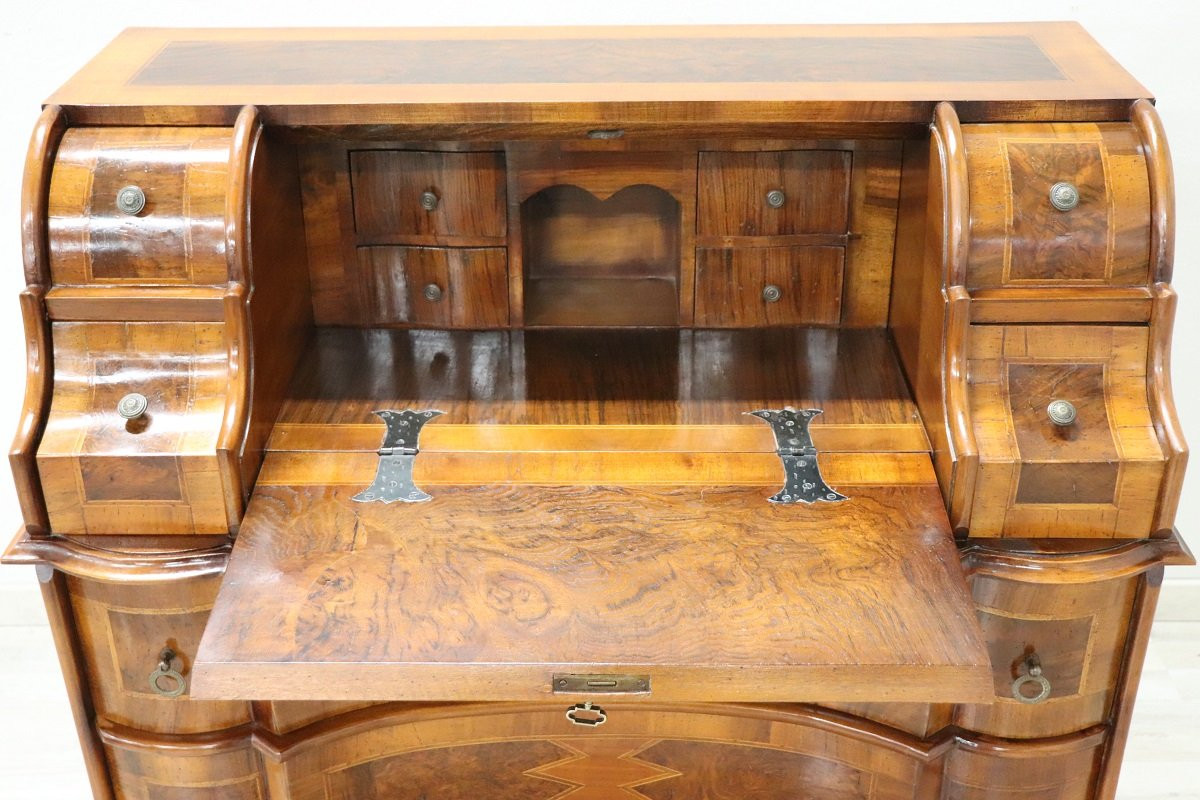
(431, 194)
(773, 193)
(754, 286)
(1067, 446)
(139, 206)
(130, 441)
(433, 286)
(124, 629)
(1057, 205)
(1071, 636)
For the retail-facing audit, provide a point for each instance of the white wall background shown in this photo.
(43, 43)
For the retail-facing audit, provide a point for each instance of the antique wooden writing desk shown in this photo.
(662, 413)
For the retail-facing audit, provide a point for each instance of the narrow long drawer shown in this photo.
(139, 206)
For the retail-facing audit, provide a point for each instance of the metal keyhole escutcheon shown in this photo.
(587, 714)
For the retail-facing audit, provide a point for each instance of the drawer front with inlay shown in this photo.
(1057, 205)
(773, 193)
(420, 193)
(1067, 445)
(206, 769)
(139, 206)
(138, 642)
(751, 287)
(442, 287)
(1058, 646)
(130, 440)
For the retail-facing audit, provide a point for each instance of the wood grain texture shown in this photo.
(1051, 305)
(178, 768)
(1072, 490)
(387, 186)
(154, 475)
(1063, 769)
(1157, 152)
(471, 286)
(610, 377)
(526, 605)
(35, 194)
(145, 562)
(1019, 239)
(854, 77)
(730, 286)
(733, 187)
(39, 369)
(120, 303)
(180, 235)
(1162, 408)
(123, 627)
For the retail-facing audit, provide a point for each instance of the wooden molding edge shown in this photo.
(1162, 408)
(1162, 189)
(35, 194)
(111, 566)
(39, 371)
(1040, 562)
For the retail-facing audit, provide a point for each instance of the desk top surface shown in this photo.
(869, 73)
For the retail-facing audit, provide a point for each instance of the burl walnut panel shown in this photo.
(179, 237)
(1077, 630)
(104, 474)
(438, 287)
(1017, 238)
(1098, 477)
(388, 184)
(730, 286)
(733, 189)
(123, 628)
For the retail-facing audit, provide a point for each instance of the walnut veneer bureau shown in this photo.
(764, 412)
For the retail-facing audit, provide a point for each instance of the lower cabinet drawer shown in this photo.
(224, 767)
(130, 444)
(1074, 633)
(123, 631)
(754, 286)
(463, 287)
(1054, 770)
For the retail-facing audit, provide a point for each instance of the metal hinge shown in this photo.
(802, 476)
(394, 478)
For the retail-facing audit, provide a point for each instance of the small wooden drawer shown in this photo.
(755, 286)
(427, 194)
(442, 287)
(221, 767)
(124, 629)
(773, 193)
(1098, 476)
(157, 473)
(139, 205)
(1076, 632)
(1018, 235)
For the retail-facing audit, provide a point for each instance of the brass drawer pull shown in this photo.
(133, 406)
(429, 201)
(587, 714)
(165, 680)
(131, 200)
(432, 292)
(1062, 413)
(771, 293)
(776, 198)
(1033, 677)
(1064, 196)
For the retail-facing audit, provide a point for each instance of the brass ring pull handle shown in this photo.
(1062, 413)
(165, 680)
(429, 201)
(1033, 677)
(131, 200)
(1064, 196)
(776, 198)
(586, 714)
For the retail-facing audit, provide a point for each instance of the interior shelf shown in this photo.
(584, 301)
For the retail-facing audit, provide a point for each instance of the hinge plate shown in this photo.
(793, 442)
(394, 478)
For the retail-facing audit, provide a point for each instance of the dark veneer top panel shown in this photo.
(316, 62)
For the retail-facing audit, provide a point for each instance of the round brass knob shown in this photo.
(131, 200)
(1062, 412)
(771, 293)
(1064, 196)
(432, 292)
(776, 198)
(1033, 677)
(429, 201)
(133, 405)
